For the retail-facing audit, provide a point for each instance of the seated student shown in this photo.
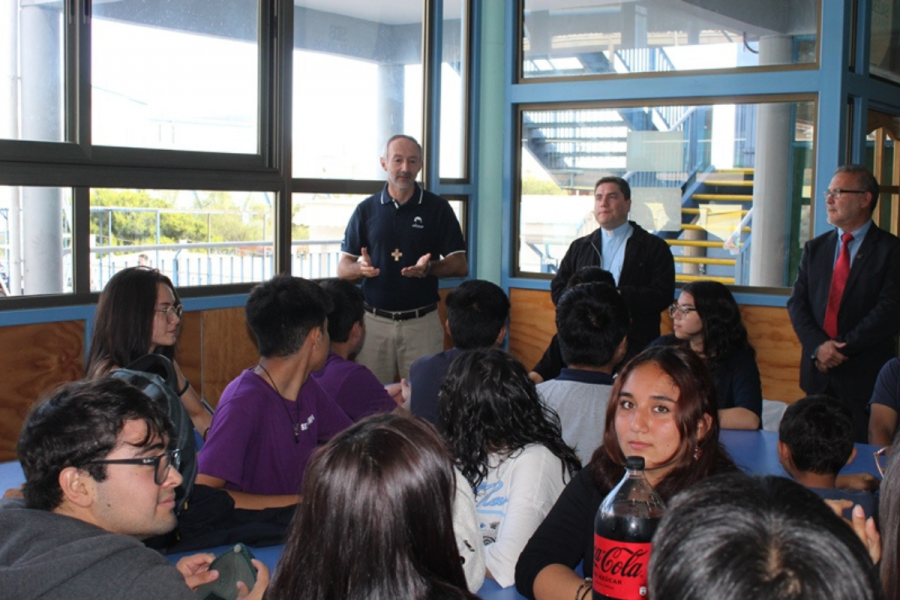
(663, 408)
(736, 536)
(139, 313)
(510, 451)
(353, 386)
(477, 312)
(552, 362)
(592, 322)
(707, 319)
(271, 418)
(376, 518)
(815, 441)
(885, 404)
(99, 477)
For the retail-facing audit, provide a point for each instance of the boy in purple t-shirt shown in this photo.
(353, 386)
(271, 418)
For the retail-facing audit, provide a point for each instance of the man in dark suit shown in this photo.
(845, 306)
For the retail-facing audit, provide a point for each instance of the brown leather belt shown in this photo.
(401, 315)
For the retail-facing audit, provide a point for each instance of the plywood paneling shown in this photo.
(777, 351)
(532, 324)
(190, 349)
(33, 360)
(227, 349)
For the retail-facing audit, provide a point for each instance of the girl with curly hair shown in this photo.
(707, 320)
(508, 446)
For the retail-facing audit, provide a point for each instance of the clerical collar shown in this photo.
(386, 198)
(619, 231)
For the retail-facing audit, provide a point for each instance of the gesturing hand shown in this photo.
(365, 265)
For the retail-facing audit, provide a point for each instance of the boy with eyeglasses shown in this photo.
(99, 477)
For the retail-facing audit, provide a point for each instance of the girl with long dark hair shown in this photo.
(662, 408)
(139, 313)
(375, 521)
(508, 446)
(707, 320)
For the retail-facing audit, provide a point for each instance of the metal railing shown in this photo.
(216, 263)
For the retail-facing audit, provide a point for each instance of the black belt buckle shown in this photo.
(401, 315)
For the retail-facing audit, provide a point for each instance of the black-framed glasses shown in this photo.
(836, 193)
(682, 310)
(881, 457)
(173, 313)
(161, 464)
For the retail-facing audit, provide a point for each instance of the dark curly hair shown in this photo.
(75, 424)
(488, 404)
(696, 400)
(723, 329)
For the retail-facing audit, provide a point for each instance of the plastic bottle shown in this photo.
(623, 528)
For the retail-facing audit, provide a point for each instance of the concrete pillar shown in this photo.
(42, 116)
(9, 130)
(390, 103)
(768, 249)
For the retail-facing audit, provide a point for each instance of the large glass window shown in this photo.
(563, 38)
(35, 244)
(726, 185)
(175, 75)
(32, 42)
(357, 82)
(317, 228)
(195, 237)
(454, 90)
(884, 50)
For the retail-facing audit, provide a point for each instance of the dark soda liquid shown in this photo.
(624, 562)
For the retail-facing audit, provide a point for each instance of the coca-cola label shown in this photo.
(620, 568)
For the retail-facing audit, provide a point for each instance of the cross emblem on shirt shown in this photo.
(396, 254)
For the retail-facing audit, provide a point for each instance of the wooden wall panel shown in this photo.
(34, 359)
(227, 349)
(532, 325)
(190, 349)
(777, 351)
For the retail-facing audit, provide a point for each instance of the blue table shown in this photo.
(11, 476)
(755, 452)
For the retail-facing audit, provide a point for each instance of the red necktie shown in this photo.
(838, 283)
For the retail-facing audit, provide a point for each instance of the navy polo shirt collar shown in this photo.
(582, 376)
(386, 198)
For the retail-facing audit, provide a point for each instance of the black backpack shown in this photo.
(154, 375)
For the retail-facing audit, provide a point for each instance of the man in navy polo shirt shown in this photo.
(399, 242)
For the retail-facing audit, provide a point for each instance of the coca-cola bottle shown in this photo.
(623, 528)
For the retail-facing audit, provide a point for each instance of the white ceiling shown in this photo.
(390, 12)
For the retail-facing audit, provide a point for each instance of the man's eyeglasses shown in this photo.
(881, 458)
(836, 193)
(682, 310)
(161, 464)
(173, 313)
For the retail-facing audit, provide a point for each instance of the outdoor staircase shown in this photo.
(698, 249)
